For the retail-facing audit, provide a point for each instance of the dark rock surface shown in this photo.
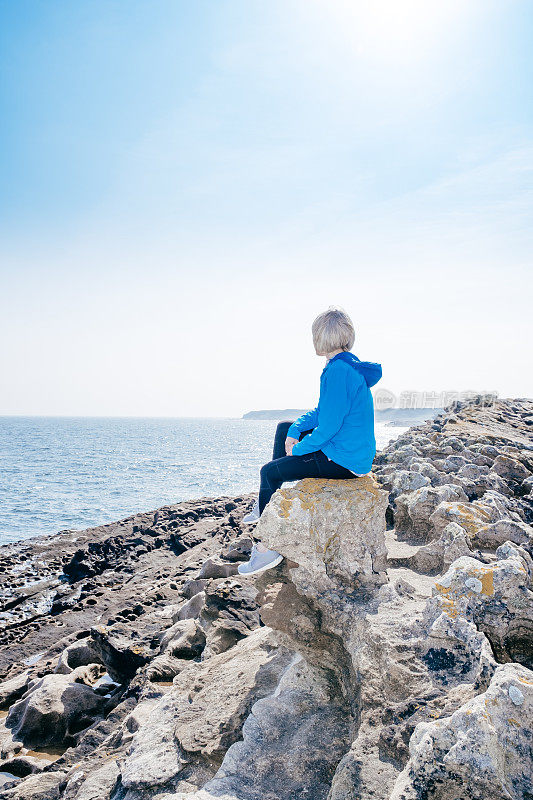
(57, 587)
(89, 618)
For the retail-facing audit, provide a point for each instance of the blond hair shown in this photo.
(333, 330)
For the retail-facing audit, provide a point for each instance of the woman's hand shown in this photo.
(289, 444)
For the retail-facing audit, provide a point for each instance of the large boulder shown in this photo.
(499, 505)
(289, 743)
(400, 481)
(334, 531)
(13, 688)
(332, 536)
(115, 648)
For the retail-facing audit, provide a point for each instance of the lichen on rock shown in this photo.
(481, 752)
(332, 529)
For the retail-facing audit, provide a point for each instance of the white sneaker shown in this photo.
(259, 562)
(252, 515)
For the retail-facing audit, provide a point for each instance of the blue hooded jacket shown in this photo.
(343, 420)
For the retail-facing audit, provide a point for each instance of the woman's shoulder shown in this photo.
(340, 367)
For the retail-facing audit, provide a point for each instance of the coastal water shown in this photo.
(61, 473)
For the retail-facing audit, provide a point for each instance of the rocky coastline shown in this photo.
(389, 656)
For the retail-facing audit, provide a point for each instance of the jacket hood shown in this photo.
(370, 371)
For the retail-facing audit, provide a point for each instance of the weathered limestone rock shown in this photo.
(426, 468)
(504, 530)
(499, 505)
(191, 608)
(510, 469)
(469, 583)
(526, 487)
(405, 452)
(22, 765)
(115, 648)
(454, 463)
(228, 614)
(290, 742)
(181, 643)
(454, 442)
(203, 713)
(57, 707)
(332, 534)
(42, 786)
(80, 653)
(496, 483)
(12, 689)
(359, 641)
(475, 473)
(496, 597)
(402, 480)
(467, 515)
(440, 553)
(481, 752)
(216, 616)
(299, 624)
(193, 586)
(215, 568)
(184, 639)
(413, 511)
(95, 786)
(333, 530)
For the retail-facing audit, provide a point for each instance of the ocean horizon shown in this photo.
(71, 472)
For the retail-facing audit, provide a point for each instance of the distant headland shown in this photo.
(390, 416)
(275, 413)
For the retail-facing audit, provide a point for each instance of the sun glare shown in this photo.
(399, 30)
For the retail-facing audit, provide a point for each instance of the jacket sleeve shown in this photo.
(333, 406)
(305, 422)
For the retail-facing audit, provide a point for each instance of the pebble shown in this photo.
(474, 584)
(517, 698)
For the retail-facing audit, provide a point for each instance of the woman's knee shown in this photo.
(283, 427)
(265, 470)
(267, 473)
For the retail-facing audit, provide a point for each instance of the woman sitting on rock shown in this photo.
(334, 440)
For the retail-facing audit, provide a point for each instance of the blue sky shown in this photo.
(185, 185)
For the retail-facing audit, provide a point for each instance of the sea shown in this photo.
(71, 473)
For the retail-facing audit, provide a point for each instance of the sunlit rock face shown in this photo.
(481, 752)
(334, 531)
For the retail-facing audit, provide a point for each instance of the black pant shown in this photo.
(291, 468)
